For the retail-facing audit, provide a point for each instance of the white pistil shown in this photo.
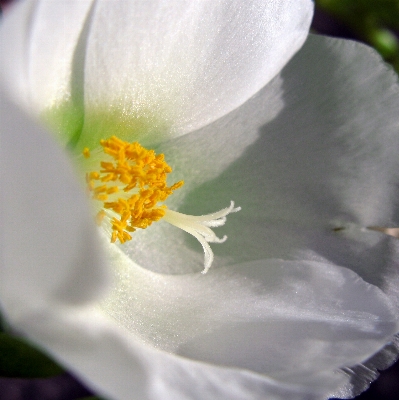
(199, 227)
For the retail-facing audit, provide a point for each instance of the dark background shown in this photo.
(375, 22)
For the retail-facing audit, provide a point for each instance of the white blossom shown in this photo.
(306, 144)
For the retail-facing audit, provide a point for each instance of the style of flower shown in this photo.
(299, 293)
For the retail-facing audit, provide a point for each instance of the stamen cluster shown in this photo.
(130, 184)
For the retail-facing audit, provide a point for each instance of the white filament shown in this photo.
(200, 227)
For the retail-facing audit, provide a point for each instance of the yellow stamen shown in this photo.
(130, 184)
(86, 152)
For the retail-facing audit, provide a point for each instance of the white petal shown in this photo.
(49, 247)
(13, 45)
(176, 66)
(331, 152)
(42, 47)
(328, 160)
(248, 316)
(89, 343)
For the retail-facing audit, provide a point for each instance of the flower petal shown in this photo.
(166, 68)
(308, 181)
(49, 247)
(335, 138)
(88, 342)
(43, 73)
(50, 266)
(247, 316)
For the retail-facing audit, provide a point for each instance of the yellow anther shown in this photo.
(93, 175)
(100, 217)
(100, 189)
(131, 182)
(100, 197)
(86, 152)
(112, 189)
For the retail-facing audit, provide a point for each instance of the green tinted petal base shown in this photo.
(77, 128)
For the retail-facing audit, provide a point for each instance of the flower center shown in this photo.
(129, 187)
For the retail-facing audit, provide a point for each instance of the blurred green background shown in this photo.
(375, 22)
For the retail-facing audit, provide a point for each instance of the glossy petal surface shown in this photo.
(248, 315)
(310, 154)
(188, 62)
(311, 159)
(43, 74)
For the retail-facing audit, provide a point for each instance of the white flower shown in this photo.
(299, 293)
